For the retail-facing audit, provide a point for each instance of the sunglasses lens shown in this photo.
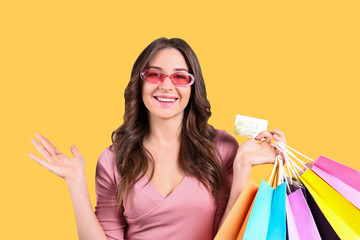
(153, 76)
(181, 79)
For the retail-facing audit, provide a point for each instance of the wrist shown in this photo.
(242, 166)
(76, 176)
(242, 161)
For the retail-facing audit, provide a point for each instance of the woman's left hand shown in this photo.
(249, 154)
(252, 153)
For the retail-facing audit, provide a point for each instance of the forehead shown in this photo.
(168, 59)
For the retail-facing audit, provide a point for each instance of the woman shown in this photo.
(168, 174)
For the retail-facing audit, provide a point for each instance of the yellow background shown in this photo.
(64, 66)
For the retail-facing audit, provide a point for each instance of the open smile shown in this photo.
(162, 99)
(166, 99)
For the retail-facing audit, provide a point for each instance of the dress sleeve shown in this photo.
(227, 146)
(106, 202)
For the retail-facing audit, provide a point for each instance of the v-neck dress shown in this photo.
(188, 213)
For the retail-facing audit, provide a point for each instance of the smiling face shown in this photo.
(164, 100)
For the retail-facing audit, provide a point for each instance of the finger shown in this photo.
(278, 152)
(41, 149)
(277, 131)
(267, 135)
(279, 136)
(48, 165)
(48, 145)
(39, 160)
(75, 151)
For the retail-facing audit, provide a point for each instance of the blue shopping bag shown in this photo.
(277, 222)
(268, 216)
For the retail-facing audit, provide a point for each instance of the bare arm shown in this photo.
(88, 226)
(249, 154)
(241, 175)
(73, 171)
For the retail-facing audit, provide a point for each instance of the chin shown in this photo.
(167, 116)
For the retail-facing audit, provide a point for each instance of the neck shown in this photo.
(165, 131)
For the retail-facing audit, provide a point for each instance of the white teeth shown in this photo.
(166, 99)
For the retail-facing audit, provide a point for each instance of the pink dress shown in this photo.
(188, 213)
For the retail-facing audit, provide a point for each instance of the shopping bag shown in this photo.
(277, 221)
(258, 223)
(304, 221)
(342, 178)
(268, 217)
(233, 222)
(322, 224)
(240, 236)
(343, 216)
(292, 231)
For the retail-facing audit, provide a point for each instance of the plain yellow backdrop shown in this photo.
(64, 66)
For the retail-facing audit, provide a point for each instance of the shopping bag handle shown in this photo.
(292, 167)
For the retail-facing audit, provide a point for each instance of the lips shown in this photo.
(165, 99)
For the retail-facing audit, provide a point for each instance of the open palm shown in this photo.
(56, 161)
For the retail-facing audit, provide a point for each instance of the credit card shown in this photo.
(248, 126)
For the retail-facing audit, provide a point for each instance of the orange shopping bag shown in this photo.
(236, 218)
(243, 227)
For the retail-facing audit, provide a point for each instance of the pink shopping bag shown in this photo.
(304, 221)
(343, 179)
(291, 225)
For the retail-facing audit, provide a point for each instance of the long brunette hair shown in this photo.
(198, 154)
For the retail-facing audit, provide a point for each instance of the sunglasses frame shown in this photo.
(164, 76)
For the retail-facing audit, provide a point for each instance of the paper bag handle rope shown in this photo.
(292, 166)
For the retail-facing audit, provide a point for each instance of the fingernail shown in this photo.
(275, 129)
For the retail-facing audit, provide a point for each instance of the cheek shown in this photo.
(146, 94)
(185, 94)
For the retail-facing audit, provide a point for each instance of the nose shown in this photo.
(166, 84)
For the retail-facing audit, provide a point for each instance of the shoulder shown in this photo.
(106, 164)
(225, 140)
(107, 157)
(227, 146)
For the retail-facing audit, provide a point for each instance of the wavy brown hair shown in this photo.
(198, 154)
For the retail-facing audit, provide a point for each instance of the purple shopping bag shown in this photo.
(304, 221)
(292, 232)
(343, 179)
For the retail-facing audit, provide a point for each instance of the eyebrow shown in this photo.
(176, 69)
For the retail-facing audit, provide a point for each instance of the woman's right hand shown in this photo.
(57, 162)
